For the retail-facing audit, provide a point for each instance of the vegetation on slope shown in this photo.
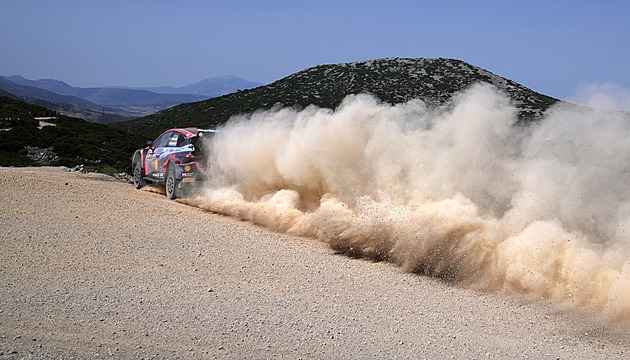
(65, 141)
(394, 81)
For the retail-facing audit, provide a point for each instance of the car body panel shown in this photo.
(174, 150)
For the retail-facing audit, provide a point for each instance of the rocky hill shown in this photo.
(393, 80)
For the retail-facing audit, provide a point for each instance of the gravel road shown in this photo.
(92, 268)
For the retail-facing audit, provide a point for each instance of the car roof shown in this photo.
(189, 131)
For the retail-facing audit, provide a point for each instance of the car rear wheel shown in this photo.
(172, 185)
(138, 176)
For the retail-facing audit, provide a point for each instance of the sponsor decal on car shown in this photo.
(177, 151)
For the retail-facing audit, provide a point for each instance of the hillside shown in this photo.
(393, 80)
(65, 104)
(115, 103)
(32, 135)
(97, 116)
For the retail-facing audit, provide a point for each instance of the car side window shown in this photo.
(182, 141)
(172, 141)
(162, 140)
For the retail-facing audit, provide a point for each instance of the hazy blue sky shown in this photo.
(552, 47)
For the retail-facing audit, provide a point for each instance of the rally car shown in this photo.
(174, 159)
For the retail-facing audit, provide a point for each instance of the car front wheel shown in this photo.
(172, 189)
(138, 176)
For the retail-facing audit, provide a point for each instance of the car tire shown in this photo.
(138, 176)
(172, 185)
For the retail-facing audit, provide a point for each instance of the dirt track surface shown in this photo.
(91, 268)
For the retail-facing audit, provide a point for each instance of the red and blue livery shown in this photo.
(175, 159)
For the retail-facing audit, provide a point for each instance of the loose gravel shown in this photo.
(92, 268)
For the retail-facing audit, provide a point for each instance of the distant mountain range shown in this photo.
(112, 104)
(212, 87)
(392, 80)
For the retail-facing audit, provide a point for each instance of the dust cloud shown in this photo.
(463, 193)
